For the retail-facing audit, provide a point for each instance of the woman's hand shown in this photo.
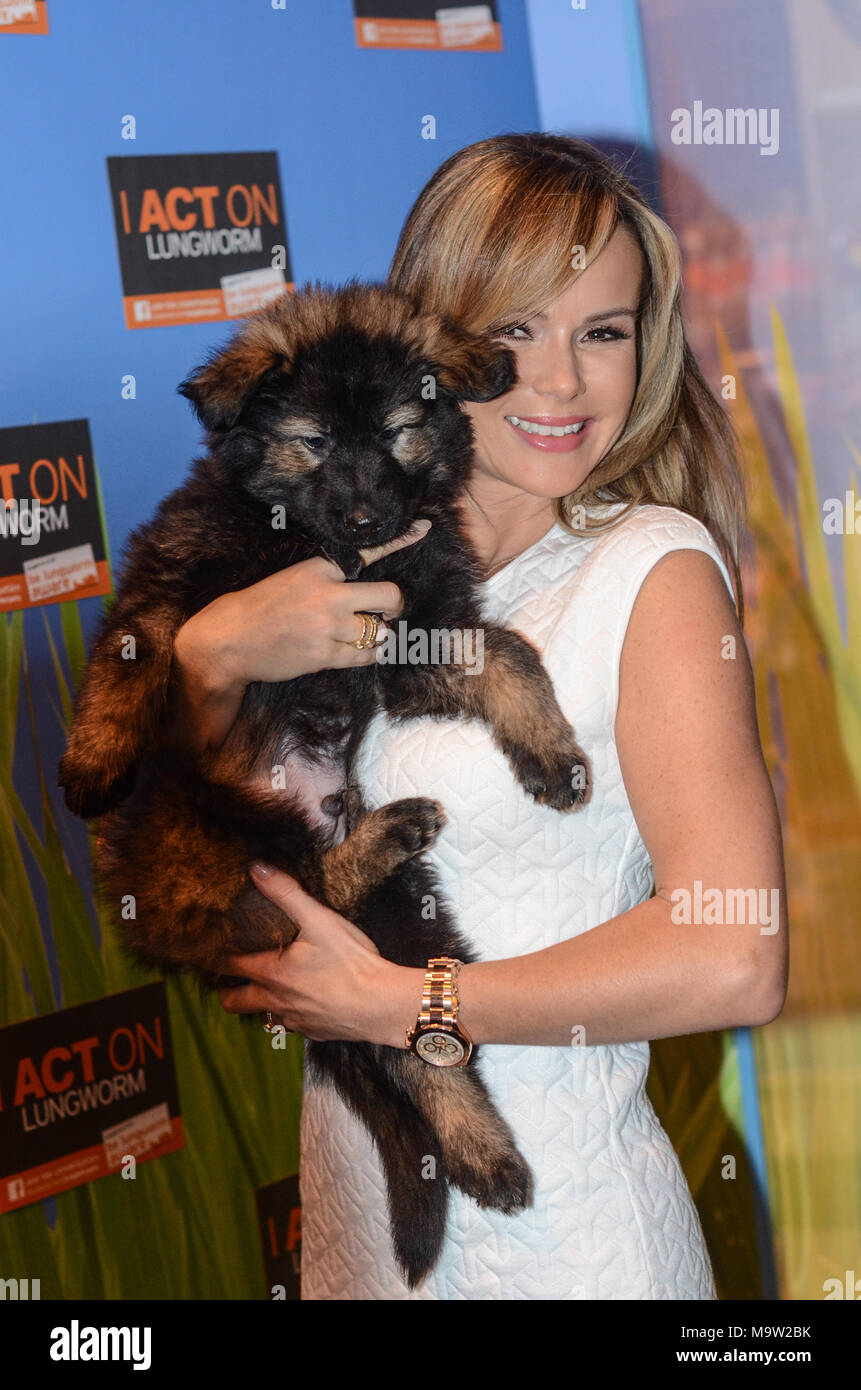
(331, 983)
(294, 622)
(297, 621)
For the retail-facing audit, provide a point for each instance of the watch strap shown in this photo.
(439, 996)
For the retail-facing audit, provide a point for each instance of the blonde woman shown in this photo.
(607, 507)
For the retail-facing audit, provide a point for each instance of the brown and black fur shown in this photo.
(374, 387)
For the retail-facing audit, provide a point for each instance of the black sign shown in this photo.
(200, 236)
(52, 541)
(85, 1092)
(445, 24)
(280, 1218)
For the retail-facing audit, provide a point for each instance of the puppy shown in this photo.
(333, 421)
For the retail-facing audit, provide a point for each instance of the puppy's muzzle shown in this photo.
(362, 523)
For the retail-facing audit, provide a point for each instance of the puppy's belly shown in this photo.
(314, 785)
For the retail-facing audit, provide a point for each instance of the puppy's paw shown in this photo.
(562, 781)
(504, 1183)
(411, 825)
(88, 792)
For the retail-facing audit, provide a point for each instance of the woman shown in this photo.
(610, 547)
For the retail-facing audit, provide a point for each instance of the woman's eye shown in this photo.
(614, 332)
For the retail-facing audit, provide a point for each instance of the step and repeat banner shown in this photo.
(148, 1140)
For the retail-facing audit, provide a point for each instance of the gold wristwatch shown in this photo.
(437, 1037)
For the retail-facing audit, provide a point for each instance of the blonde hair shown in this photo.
(489, 243)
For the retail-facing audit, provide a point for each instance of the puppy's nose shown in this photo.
(360, 521)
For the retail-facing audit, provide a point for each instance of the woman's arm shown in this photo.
(688, 746)
(203, 699)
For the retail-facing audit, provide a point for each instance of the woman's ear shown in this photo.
(468, 367)
(220, 389)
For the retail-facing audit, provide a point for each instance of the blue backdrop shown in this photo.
(236, 75)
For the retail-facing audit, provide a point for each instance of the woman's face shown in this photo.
(577, 361)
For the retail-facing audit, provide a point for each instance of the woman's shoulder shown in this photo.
(646, 519)
(608, 581)
(634, 543)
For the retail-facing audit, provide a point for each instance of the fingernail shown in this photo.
(419, 528)
(258, 867)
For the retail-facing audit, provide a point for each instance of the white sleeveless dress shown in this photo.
(613, 1216)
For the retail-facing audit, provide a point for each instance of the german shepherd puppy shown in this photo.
(333, 421)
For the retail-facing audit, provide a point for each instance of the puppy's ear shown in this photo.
(470, 368)
(220, 389)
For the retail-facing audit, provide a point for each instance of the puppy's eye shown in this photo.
(397, 429)
(314, 442)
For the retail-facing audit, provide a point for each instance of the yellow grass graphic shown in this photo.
(808, 685)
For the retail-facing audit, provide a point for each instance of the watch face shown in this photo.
(440, 1049)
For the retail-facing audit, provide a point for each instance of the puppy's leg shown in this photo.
(181, 904)
(381, 841)
(479, 1154)
(118, 709)
(173, 865)
(514, 695)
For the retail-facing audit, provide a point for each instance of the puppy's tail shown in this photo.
(409, 1150)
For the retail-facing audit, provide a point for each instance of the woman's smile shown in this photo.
(554, 434)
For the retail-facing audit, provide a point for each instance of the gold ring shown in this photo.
(270, 1026)
(370, 624)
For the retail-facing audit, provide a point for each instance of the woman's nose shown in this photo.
(558, 372)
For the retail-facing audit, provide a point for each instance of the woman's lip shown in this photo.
(553, 443)
(557, 421)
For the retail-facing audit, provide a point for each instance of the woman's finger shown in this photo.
(371, 596)
(290, 896)
(416, 531)
(248, 999)
(357, 627)
(260, 968)
(344, 654)
(315, 921)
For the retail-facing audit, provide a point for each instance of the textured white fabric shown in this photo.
(613, 1216)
